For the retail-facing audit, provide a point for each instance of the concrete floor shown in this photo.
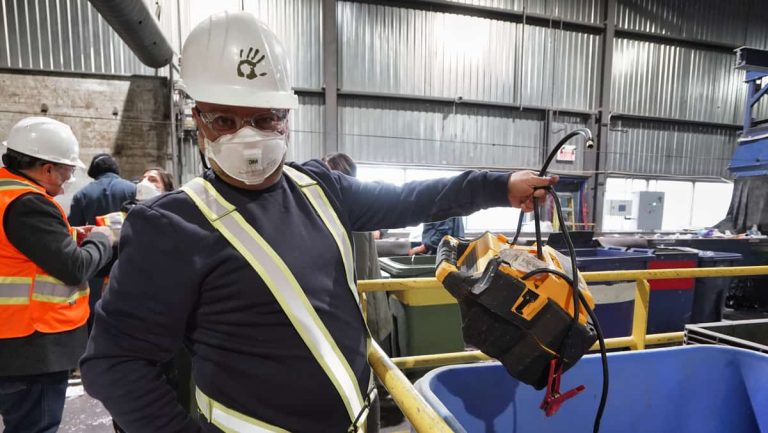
(83, 414)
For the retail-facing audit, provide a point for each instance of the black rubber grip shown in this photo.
(447, 250)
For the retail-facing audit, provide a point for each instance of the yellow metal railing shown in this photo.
(425, 419)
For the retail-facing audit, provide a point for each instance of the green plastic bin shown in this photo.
(425, 321)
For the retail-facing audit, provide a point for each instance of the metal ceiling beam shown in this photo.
(489, 12)
(462, 101)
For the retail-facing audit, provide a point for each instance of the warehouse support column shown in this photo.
(595, 160)
(330, 77)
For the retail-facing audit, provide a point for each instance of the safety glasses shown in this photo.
(226, 123)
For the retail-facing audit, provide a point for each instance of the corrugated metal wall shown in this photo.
(729, 22)
(562, 124)
(578, 10)
(415, 52)
(438, 133)
(668, 149)
(297, 23)
(62, 35)
(668, 81)
(307, 129)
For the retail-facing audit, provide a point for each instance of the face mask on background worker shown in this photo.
(146, 190)
(241, 69)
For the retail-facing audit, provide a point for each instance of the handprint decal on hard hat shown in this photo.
(250, 61)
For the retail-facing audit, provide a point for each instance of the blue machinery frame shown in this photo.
(751, 155)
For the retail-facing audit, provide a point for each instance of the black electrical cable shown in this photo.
(581, 131)
(600, 340)
(537, 224)
(578, 297)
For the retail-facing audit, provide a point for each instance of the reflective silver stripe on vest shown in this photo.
(15, 183)
(14, 290)
(284, 287)
(230, 420)
(323, 207)
(49, 289)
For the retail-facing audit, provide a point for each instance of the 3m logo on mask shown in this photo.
(248, 63)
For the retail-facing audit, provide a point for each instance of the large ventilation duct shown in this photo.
(138, 28)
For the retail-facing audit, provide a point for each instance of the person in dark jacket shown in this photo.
(43, 274)
(106, 194)
(250, 265)
(432, 233)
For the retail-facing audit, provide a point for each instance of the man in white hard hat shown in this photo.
(43, 275)
(250, 265)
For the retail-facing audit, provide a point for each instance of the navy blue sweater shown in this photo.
(179, 281)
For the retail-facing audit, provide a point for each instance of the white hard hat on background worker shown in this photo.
(46, 139)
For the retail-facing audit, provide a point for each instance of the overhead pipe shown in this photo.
(138, 28)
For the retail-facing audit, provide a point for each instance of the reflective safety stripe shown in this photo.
(14, 182)
(230, 420)
(14, 290)
(284, 287)
(49, 289)
(114, 218)
(323, 207)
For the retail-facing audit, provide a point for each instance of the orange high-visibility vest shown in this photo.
(30, 299)
(112, 220)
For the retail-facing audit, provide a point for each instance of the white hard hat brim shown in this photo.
(244, 97)
(79, 164)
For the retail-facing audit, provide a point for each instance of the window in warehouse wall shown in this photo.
(687, 205)
(678, 203)
(710, 203)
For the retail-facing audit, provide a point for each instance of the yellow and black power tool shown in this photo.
(526, 306)
(513, 308)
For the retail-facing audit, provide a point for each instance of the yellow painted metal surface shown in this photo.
(640, 315)
(421, 415)
(425, 296)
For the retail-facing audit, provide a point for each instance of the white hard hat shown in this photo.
(47, 139)
(235, 59)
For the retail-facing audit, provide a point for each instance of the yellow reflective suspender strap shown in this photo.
(319, 201)
(322, 206)
(230, 420)
(284, 287)
(14, 290)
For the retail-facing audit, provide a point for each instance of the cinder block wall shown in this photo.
(138, 135)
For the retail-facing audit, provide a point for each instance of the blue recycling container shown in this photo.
(709, 293)
(689, 389)
(614, 301)
(671, 299)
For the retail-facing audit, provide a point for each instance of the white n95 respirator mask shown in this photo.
(249, 155)
(146, 190)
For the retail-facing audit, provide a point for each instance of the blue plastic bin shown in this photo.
(689, 389)
(671, 299)
(614, 301)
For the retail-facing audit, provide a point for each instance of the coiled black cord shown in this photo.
(578, 297)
